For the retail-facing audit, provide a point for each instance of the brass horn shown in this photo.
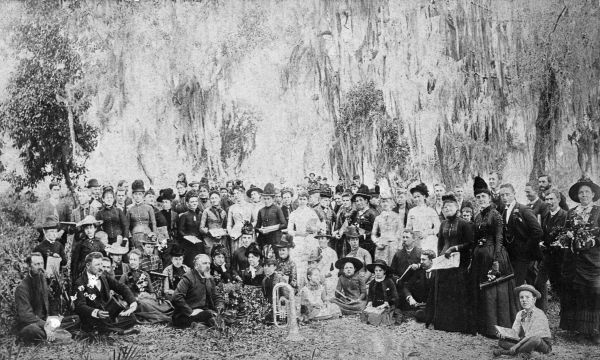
(284, 306)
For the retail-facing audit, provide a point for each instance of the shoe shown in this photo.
(595, 339)
(128, 332)
(581, 338)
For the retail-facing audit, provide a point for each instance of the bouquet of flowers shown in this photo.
(576, 235)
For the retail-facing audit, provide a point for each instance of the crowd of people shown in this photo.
(146, 257)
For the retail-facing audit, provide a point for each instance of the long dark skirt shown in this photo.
(495, 305)
(580, 310)
(450, 305)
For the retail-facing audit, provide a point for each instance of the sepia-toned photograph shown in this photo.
(299, 179)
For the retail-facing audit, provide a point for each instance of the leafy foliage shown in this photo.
(238, 136)
(364, 131)
(44, 107)
(17, 239)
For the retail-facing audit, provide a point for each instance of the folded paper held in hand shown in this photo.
(506, 333)
(441, 262)
(193, 239)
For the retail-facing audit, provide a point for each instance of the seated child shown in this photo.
(351, 291)
(382, 298)
(314, 304)
(530, 326)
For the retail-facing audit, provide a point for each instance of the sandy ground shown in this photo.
(344, 338)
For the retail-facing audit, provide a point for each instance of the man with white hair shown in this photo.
(196, 299)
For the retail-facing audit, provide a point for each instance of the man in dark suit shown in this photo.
(550, 267)
(32, 304)
(522, 234)
(544, 184)
(537, 205)
(494, 182)
(414, 289)
(93, 301)
(196, 299)
(408, 255)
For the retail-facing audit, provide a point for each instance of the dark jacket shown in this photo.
(189, 224)
(403, 259)
(456, 233)
(114, 222)
(195, 292)
(269, 216)
(85, 306)
(550, 223)
(47, 249)
(31, 304)
(539, 208)
(417, 285)
(522, 234)
(384, 291)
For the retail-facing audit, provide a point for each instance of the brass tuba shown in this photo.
(284, 306)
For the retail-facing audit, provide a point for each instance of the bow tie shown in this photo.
(525, 315)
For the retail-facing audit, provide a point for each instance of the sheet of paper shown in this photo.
(269, 229)
(441, 262)
(52, 266)
(193, 239)
(507, 333)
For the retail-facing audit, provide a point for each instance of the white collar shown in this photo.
(534, 201)
(555, 212)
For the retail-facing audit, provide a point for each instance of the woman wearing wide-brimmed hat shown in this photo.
(254, 274)
(580, 305)
(269, 220)
(303, 224)
(351, 291)
(387, 229)
(423, 220)
(142, 222)
(382, 295)
(364, 218)
(285, 265)
(87, 246)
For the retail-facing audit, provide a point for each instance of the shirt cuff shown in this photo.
(95, 313)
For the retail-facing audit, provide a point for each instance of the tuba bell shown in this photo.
(284, 307)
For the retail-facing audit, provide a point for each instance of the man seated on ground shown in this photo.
(98, 310)
(414, 288)
(31, 300)
(196, 299)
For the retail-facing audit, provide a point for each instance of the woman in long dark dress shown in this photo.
(449, 307)
(495, 304)
(580, 305)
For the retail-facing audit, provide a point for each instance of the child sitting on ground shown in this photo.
(530, 326)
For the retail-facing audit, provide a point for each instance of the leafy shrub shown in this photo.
(17, 239)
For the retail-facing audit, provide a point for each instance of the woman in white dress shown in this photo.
(423, 220)
(303, 224)
(386, 230)
(237, 214)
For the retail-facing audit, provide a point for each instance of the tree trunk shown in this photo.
(548, 116)
(69, 183)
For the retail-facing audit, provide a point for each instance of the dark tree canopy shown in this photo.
(45, 102)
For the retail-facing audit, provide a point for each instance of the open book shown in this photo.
(507, 333)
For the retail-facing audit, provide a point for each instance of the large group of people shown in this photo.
(141, 257)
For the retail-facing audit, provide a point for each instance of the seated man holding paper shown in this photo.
(98, 310)
(416, 285)
(196, 299)
(530, 331)
(31, 298)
